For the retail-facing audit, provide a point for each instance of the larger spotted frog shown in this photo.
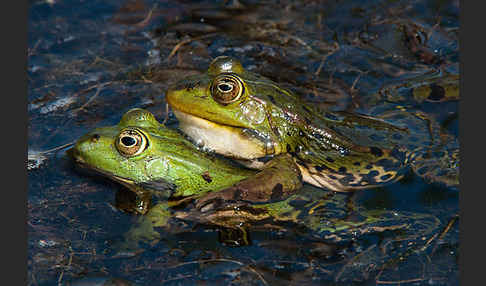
(145, 156)
(247, 117)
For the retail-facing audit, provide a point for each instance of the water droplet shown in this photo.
(343, 151)
(253, 112)
(47, 243)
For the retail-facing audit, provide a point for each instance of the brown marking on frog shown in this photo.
(277, 192)
(207, 177)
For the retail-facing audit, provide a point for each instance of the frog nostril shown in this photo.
(75, 154)
(95, 137)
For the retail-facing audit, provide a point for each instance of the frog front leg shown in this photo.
(279, 178)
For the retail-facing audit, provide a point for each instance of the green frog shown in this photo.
(142, 154)
(249, 118)
(147, 157)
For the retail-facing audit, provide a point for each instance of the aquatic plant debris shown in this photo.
(91, 61)
(35, 159)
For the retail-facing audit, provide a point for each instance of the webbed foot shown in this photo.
(279, 179)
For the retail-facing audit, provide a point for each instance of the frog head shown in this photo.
(139, 152)
(243, 110)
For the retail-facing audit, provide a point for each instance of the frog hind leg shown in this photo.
(279, 178)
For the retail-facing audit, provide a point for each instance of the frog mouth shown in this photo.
(86, 167)
(227, 140)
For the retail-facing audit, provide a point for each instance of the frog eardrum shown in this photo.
(227, 88)
(131, 142)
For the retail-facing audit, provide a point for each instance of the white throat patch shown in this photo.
(225, 140)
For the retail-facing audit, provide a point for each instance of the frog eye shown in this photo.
(131, 142)
(227, 88)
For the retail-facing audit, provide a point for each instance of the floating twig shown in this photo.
(166, 113)
(257, 274)
(59, 280)
(147, 18)
(176, 278)
(400, 281)
(99, 88)
(99, 59)
(183, 42)
(56, 148)
(445, 231)
(352, 260)
(336, 48)
(352, 89)
(429, 241)
(245, 267)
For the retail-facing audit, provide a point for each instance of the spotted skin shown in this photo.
(168, 162)
(434, 88)
(339, 151)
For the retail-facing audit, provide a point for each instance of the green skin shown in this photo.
(338, 151)
(170, 163)
(167, 166)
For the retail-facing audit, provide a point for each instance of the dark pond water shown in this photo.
(91, 61)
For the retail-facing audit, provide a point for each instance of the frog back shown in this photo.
(377, 149)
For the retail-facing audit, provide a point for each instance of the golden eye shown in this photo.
(227, 88)
(131, 142)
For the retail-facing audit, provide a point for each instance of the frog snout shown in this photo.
(83, 147)
(75, 154)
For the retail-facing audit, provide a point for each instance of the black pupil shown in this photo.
(225, 87)
(128, 141)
